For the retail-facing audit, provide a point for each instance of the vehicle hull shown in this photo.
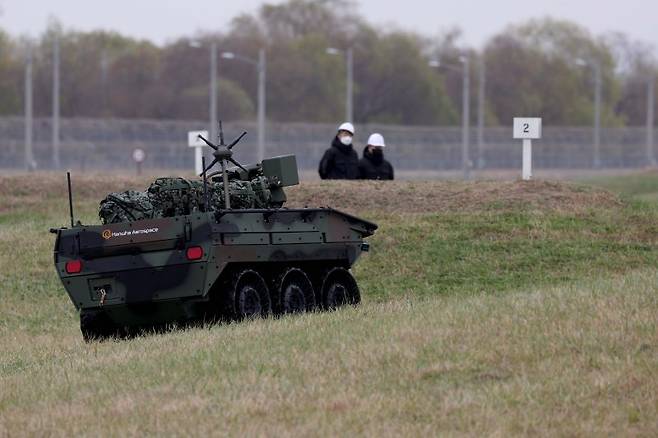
(172, 270)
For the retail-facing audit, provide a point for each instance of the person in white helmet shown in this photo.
(373, 165)
(340, 161)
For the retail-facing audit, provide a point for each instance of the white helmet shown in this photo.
(376, 140)
(347, 127)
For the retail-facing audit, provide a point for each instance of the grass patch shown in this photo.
(574, 360)
(494, 252)
(505, 318)
(641, 186)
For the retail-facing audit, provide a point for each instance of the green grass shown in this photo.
(496, 322)
(574, 360)
(494, 252)
(640, 186)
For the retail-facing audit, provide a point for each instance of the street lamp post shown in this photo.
(598, 84)
(105, 65)
(349, 110)
(212, 105)
(466, 102)
(349, 94)
(261, 104)
(56, 97)
(213, 88)
(212, 95)
(651, 158)
(261, 68)
(598, 91)
(466, 108)
(481, 115)
(29, 157)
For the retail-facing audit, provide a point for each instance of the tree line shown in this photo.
(542, 67)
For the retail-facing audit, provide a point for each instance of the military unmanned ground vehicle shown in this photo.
(220, 248)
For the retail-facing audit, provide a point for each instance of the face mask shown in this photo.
(346, 140)
(377, 155)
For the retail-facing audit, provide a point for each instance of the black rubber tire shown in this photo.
(249, 296)
(294, 292)
(97, 326)
(339, 288)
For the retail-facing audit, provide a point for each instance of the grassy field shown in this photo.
(641, 186)
(489, 308)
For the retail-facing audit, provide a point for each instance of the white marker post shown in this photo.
(139, 156)
(195, 142)
(527, 129)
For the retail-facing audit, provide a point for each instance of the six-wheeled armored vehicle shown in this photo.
(220, 248)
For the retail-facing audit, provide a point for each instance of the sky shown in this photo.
(164, 20)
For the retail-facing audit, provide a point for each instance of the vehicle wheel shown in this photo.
(295, 292)
(249, 297)
(97, 326)
(339, 288)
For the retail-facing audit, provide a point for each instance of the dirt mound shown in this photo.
(449, 196)
(25, 191)
(51, 184)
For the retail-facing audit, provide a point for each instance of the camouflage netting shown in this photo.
(125, 207)
(169, 197)
(175, 196)
(244, 194)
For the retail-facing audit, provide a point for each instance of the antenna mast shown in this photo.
(205, 185)
(68, 180)
(223, 155)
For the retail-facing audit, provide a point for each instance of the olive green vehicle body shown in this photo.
(141, 274)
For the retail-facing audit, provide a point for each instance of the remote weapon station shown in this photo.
(222, 248)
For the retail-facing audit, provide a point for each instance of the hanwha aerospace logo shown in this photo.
(107, 234)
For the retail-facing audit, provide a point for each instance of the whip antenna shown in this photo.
(68, 180)
(205, 184)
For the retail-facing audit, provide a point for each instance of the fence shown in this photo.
(88, 144)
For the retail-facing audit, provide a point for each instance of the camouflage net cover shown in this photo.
(169, 197)
(125, 207)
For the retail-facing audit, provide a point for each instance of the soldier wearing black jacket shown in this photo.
(340, 161)
(373, 165)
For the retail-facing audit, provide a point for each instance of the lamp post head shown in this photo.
(580, 62)
(228, 55)
(593, 63)
(333, 51)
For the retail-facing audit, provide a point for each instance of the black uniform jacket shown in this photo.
(374, 167)
(339, 162)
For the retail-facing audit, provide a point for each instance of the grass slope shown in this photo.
(493, 308)
(575, 360)
(638, 186)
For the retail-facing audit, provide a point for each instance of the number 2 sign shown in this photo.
(527, 128)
